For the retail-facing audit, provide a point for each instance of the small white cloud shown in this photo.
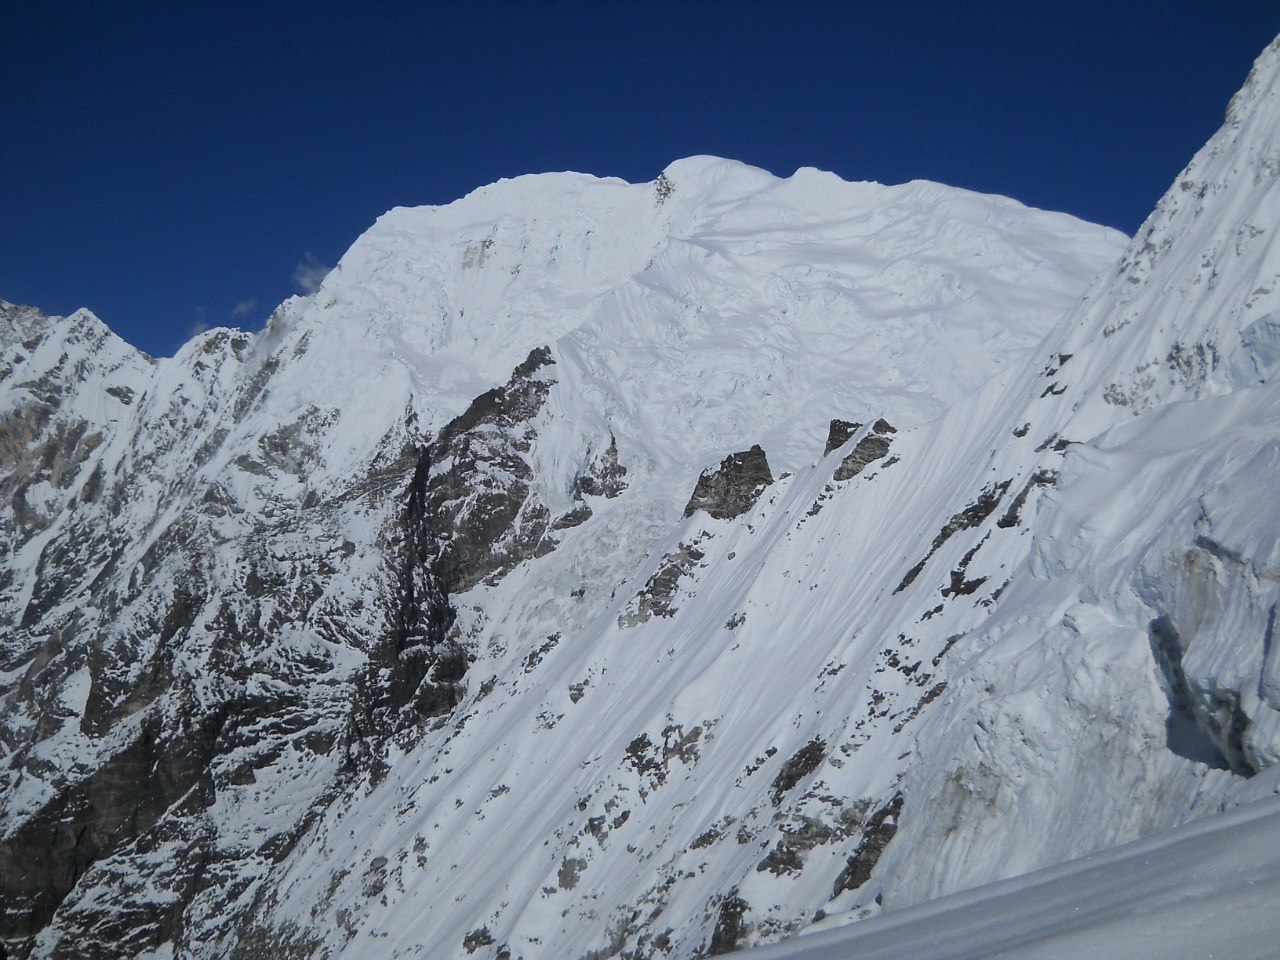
(199, 322)
(309, 273)
(244, 307)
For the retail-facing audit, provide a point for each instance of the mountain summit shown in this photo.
(590, 569)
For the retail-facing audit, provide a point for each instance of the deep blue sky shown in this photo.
(165, 164)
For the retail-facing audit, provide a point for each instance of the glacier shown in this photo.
(595, 569)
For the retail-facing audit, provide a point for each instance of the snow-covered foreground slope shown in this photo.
(1204, 890)
(591, 569)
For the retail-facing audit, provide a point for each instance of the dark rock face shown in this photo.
(840, 433)
(788, 855)
(731, 926)
(874, 446)
(480, 937)
(151, 583)
(734, 487)
(604, 477)
(657, 596)
(1013, 516)
(806, 760)
(880, 829)
(974, 514)
(466, 521)
(120, 800)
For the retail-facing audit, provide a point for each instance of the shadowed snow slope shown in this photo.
(516, 595)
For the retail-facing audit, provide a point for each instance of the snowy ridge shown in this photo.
(393, 630)
(701, 287)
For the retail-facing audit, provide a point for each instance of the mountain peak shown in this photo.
(512, 563)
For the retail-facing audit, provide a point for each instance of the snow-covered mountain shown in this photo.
(591, 569)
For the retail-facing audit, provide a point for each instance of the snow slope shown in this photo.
(741, 305)
(209, 594)
(1208, 889)
(593, 569)
(921, 633)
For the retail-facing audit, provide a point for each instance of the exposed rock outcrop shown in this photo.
(872, 447)
(733, 488)
(469, 517)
